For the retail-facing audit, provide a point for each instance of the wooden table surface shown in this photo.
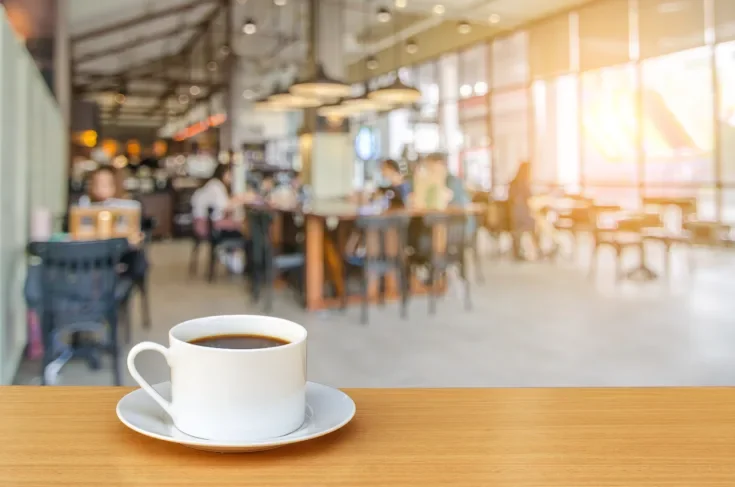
(683, 437)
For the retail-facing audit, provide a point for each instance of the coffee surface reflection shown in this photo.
(239, 342)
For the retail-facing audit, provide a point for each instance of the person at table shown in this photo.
(393, 179)
(460, 197)
(216, 196)
(521, 217)
(105, 189)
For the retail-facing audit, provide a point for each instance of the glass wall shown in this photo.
(618, 100)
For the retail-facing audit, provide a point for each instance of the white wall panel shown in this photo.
(33, 163)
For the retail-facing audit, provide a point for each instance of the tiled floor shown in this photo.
(533, 324)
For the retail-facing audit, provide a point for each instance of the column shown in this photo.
(62, 60)
(329, 165)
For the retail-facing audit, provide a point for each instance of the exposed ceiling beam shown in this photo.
(136, 21)
(186, 49)
(132, 72)
(140, 41)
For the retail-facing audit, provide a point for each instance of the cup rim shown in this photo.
(290, 344)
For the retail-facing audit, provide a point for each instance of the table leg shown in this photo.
(314, 278)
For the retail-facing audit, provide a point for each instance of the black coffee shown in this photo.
(239, 342)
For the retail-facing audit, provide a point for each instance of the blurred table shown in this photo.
(325, 240)
(621, 437)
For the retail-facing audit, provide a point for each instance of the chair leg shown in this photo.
(144, 303)
(212, 262)
(405, 283)
(48, 346)
(115, 350)
(124, 319)
(269, 287)
(432, 289)
(364, 292)
(618, 263)
(465, 284)
(194, 259)
(343, 296)
(594, 259)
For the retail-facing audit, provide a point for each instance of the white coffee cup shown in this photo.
(232, 394)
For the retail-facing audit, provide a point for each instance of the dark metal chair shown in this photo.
(216, 243)
(79, 292)
(448, 248)
(384, 239)
(265, 263)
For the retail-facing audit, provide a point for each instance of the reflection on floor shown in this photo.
(533, 324)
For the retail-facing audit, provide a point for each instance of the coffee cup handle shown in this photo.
(141, 347)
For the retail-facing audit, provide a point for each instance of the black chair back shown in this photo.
(78, 279)
(452, 231)
(384, 237)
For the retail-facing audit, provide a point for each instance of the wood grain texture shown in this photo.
(69, 436)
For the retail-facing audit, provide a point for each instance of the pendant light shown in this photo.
(363, 103)
(319, 84)
(397, 93)
(282, 96)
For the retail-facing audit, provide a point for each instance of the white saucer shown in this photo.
(327, 410)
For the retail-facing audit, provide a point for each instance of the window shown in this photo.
(669, 26)
(677, 118)
(473, 72)
(549, 47)
(726, 110)
(604, 34)
(449, 70)
(510, 133)
(510, 61)
(556, 124)
(428, 83)
(609, 126)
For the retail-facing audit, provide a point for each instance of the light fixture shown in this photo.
(400, 3)
(465, 91)
(195, 90)
(249, 27)
(363, 103)
(263, 104)
(120, 98)
(183, 98)
(321, 86)
(494, 19)
(212, 65)
(397, 93)
(224, 50)
(411, 46)
(283, 97)
(439, 9)
(481, 88)
(464, 27)
(333, 110)
(384, 15)
(279, 3)
(248, 94)
(371, 63)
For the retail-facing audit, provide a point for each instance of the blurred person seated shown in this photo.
(216, 195)
(393, 179)
(104, 188)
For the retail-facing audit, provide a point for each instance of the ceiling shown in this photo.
(158, 49)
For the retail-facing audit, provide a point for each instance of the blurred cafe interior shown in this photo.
(467, 193)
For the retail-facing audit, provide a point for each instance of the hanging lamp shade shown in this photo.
(282, 96)
(397, 93)
(321, 86)
(363, 103)
(333, 110)
(265, 104)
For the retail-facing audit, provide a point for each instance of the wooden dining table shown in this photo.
(323, 253)
(639, 437)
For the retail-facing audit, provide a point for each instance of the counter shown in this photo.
(641, 437)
